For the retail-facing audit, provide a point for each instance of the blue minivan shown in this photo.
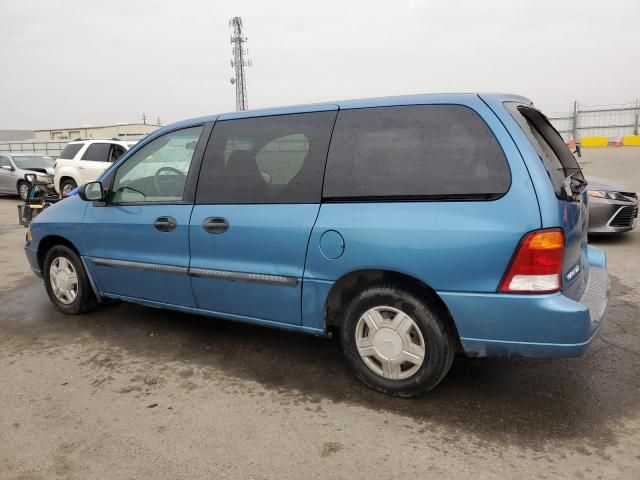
(415, 227)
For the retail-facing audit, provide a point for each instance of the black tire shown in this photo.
(23, 190)
(429, 317)
(85, 299)
(69, 183)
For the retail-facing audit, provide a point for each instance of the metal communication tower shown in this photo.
(238, 62)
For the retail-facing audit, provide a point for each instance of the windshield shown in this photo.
(25, 162)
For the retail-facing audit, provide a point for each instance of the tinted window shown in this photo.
(97, 152)
(414, 151)
(70, 150)
(554, 153)
(4, 162)
(116, 152)
(277, 159)
(158, 171)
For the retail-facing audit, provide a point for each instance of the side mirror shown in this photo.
(30, 177)
(8, 168)
(91, 192)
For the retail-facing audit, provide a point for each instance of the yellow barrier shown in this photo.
(594, 142)
(631, 141)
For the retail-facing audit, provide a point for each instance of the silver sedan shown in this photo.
(14, 166)
(612, 207)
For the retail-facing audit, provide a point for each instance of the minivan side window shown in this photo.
(158, 171)
(261, 160)
(416, 151)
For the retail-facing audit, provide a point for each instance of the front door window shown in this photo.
(158, 171)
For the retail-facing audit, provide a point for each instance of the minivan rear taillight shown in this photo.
(536, 266)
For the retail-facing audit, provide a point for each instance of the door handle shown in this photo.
(81, 167)
(165, 224)
(215, 225)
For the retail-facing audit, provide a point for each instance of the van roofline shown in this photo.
(355, 103)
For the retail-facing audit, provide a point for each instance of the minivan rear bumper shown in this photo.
(553, 325)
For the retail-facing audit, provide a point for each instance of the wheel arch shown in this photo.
(50, 241)
(347, 286)
(64, 177)
(18, 182)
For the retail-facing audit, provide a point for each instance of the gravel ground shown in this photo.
(134, 392)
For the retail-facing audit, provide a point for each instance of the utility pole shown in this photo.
(238, 63)
(574, 127)
(144, 118)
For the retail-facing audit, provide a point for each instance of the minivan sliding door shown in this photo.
(257, 200)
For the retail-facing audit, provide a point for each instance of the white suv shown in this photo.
(83, 161)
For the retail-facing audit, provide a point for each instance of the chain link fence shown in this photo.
(611, 121)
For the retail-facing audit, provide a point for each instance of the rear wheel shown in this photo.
(67, 186)
(23, 190)
(66, 281)
(397, 341)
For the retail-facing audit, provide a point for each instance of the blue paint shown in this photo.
(263, 239)
(120, 232)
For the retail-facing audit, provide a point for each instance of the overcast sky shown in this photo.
(75, 62)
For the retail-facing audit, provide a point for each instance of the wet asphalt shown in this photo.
(513, 401)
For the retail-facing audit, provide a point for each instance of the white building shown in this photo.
(120, 130)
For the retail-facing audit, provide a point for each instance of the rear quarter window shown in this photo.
(421, 151)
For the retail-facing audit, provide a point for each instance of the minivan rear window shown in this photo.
(553, 152)
(416, 151)
(70, 150)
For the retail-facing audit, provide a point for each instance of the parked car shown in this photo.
(414, 227)
(14, 166)
(83, 161)
(612, 207)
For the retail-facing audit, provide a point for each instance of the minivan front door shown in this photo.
(257, 200)
(137, 243)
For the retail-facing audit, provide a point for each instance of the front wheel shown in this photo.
(397, 341)
(23, 190)
(67, 186)
(66, 281)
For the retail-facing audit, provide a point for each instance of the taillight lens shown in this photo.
(537, 264)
